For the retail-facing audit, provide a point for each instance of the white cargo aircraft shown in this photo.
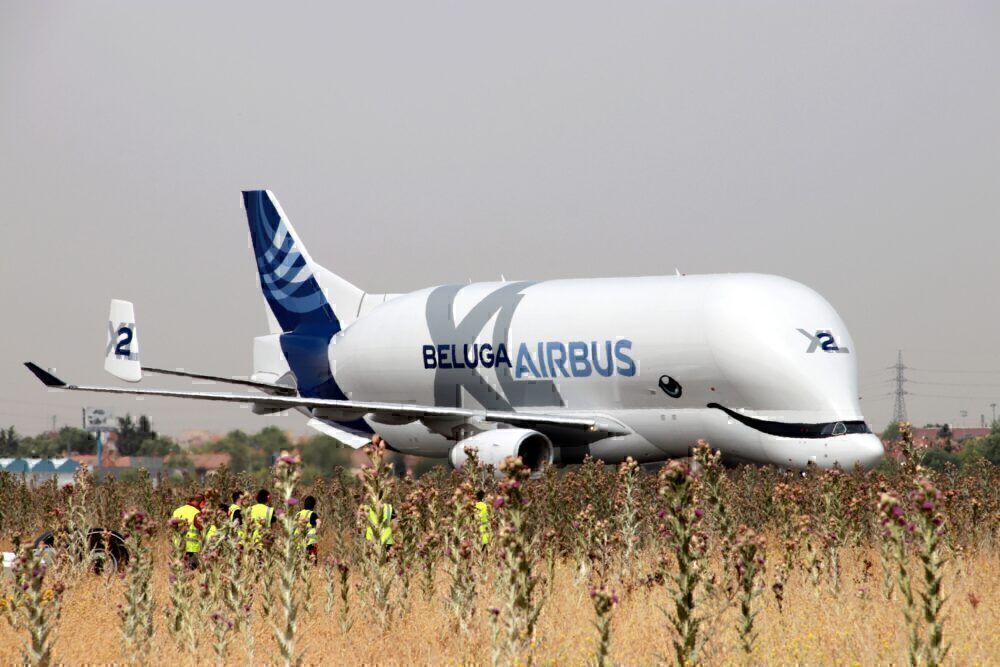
(760, 366)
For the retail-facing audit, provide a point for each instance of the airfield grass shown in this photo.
(858, 626)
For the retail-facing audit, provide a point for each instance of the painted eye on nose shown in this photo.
(670, 386)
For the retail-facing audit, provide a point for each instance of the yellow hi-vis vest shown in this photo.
(233, 509)
(260, 517)
(188, 513)
(483, 513)
(304, 517)
(384, 526)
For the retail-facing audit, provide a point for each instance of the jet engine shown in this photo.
(497, 444)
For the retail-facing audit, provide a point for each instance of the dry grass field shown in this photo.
(691, 555)
(857, 627)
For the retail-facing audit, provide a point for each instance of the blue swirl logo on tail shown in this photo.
(289, 286)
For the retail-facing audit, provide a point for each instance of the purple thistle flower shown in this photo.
(292, 501)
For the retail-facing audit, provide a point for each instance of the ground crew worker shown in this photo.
(309, 519)
(235, 513)
(261, 515)
(213, 529)
(383, 524)
(483, 514)
(191, 512)
(234, 510)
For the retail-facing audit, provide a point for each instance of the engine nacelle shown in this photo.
(497, 444)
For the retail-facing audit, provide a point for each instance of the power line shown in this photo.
(980, 396)
(941, 370)
(958, 384)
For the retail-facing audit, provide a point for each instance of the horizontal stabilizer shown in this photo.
(47, 378)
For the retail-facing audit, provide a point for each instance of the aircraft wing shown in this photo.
(263, 386)
(348, 410)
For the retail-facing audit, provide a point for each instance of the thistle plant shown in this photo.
(329, 583)
(629, 519)
(813, 553)
(222, 631)
(37, 604)
(682, 520)
(835, 525)
(376, 481)
(913, 454)
(748, 565)
(407, 543)
(236, 592)
(286, 475)
(458, 549)
(180, 587)
(584, 524)
(78, 519)
(428, 545)
(604, 603)
(897, 528)
(267, 555)
(926, 500)
(518, 581)
(713, 491)
(345, 597)
(136, 612)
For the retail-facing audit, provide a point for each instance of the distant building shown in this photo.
(36, 471)
(958, 434)
(930, 436)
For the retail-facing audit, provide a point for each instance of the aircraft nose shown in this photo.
(865, 449)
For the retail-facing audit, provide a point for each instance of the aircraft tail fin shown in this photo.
(121, 358)
(299, 292)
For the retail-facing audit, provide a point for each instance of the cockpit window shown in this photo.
(794, 430)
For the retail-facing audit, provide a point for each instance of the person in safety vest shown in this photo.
(483, 516)
(213, 530)
(191, 512)
(261, 516)
(308, 519)
(382, 524)
(234, 510)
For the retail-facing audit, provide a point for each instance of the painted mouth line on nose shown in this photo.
(796, 430)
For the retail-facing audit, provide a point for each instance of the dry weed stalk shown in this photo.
(629, 519)
(748, 563)
(604, 603)
(286, 476)
(522, 604)
(37, 606)
(376, 481)
(460, 543)
(688, 547)
(137, 611)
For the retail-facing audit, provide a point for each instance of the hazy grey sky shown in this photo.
(852, 146)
